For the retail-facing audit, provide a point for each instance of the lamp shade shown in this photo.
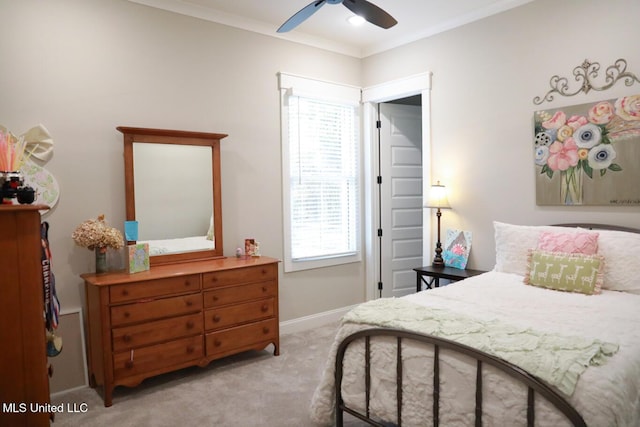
(437, 197)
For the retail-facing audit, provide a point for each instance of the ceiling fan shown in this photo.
(363, 8)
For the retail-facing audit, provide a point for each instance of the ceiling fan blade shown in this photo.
(371, 13)
(302, 15)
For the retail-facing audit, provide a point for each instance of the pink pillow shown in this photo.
(569, 243)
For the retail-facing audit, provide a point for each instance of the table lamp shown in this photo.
(437, 198)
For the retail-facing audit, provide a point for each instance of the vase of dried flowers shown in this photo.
(101, 260)
(96, 235)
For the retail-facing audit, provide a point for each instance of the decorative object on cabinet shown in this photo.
(457, 245)
(250, 247)
(437, 198)
(585, 74)
(131, 231)
(96, 235)
(586, 154)
(138, 257)
(12, 157)
(147, 184)
(39, 183)
(23, 371)
(178, 315)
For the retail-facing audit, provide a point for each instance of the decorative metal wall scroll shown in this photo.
(585, 74)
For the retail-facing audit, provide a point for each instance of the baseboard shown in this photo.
(313, 321)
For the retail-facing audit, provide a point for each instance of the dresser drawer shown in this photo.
(159, 356)
(230, 315)
(155, 309)
(235, 294)
(129, 337)
(154, 288)
(237, 276)
(241, 338)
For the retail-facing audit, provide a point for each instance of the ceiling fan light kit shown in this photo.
(369, 11)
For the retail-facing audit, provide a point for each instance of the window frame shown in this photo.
(292, 85)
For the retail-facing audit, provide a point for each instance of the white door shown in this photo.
(401, 197)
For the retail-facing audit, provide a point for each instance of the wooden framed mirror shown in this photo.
(173, 190)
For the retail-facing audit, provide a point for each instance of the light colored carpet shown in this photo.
(246, 390)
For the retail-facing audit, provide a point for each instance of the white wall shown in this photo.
(82, 68)
(485, 76)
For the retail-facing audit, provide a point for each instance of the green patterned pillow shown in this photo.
(565, 272)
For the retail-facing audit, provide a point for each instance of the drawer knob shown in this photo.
(190, 349)
(264, 271)
(190, 324)
(189, 303)
(187, 283)
(217, 343)
(216, 318)
(264, 289)
(126, 338)
(215, 298)
(265, 330)
(125, 292)
(127, 314)
(265, 308)
(128, 364)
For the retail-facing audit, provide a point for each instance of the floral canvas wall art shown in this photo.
(589, 154)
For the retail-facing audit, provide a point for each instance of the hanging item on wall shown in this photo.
(38, 147)
(589, 154)
(51, 303)
(586, 74)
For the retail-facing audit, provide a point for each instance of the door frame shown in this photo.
(418, 84)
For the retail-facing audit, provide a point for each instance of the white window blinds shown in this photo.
(321, 176)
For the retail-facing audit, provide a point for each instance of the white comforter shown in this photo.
(606, 395)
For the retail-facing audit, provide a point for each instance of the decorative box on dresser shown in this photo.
(24, 384)
(177, 315)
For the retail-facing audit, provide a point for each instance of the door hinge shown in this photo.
(379, 124)
(379, 286)
(379, 232)
(379, 180)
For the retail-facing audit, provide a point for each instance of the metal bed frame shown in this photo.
(533, 384)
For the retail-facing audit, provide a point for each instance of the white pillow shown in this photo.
(210, 231)
(514, 241)
(621, 251)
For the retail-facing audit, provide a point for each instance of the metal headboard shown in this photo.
(594, 226)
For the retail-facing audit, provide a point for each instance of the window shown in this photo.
(321, 173)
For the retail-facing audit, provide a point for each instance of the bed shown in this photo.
(529, 343)
(179, 245)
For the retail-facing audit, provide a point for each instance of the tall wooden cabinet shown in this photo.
(178, 315)
(24, 384)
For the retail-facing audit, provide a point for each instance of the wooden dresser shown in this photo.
(178, 315)
(24, 384)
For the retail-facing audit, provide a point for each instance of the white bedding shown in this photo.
(185, 244)
(606, 395)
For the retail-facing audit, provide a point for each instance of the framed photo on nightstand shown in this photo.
(457, 245)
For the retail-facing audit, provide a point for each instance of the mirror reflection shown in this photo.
(174, 197)
(173, 191)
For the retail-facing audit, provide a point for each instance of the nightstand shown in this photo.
(437, 273)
